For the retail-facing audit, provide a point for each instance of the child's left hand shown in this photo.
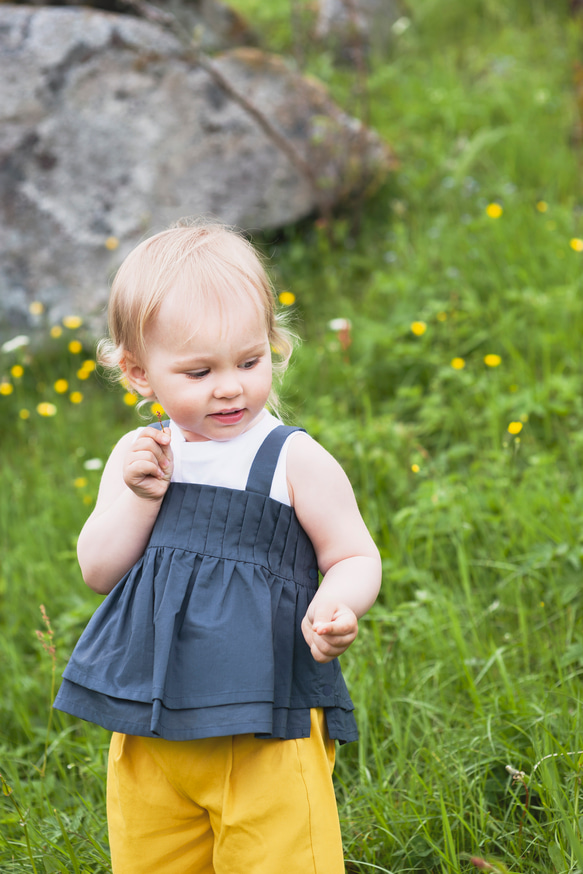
(329, 633)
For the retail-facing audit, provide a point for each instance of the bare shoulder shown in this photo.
(310, 466)
(325, 504)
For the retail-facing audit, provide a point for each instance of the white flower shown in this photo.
(93, 464)
(340, 325)
(401, 25)
(15, 343)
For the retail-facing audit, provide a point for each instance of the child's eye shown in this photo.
(249, 364)
(198, 374)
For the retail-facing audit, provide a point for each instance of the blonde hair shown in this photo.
(217, 261)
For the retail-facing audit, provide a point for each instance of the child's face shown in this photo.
(212, 377)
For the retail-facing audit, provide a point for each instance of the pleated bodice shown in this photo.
(202, 637)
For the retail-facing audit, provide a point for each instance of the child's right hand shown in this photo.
(149, 463)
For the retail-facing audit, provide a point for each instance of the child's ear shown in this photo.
(136, 375)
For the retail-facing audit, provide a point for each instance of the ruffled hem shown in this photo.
(155, 720)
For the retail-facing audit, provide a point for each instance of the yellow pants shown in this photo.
(226, 805)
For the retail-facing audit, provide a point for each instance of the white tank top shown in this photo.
(227, 463)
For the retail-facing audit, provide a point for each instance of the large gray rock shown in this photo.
(110, 130)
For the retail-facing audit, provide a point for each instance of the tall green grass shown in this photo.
(472, 658)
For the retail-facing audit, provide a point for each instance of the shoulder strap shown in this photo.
(265, 462)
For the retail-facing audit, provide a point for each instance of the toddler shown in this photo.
(213, 657)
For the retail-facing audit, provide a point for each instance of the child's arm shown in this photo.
(347, 556)
(134, 481)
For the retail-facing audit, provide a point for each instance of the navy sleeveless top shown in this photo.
(202, 637)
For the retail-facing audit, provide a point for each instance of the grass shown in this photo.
(472, 659)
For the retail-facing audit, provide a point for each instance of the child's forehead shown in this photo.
(221, 314)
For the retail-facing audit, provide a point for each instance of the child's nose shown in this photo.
(228, 386)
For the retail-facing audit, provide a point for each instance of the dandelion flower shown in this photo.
(17, 371)
(458, 363)
(6, 388)
(24, 414)
(112, 243)
(418, 328)
(72, 322)
(494, 210)
(36, 308)
(56, 331)
(515, 427)
(542, 206)
(157, 409)
(442, 316)
(492, 360)
(576, 244)
(46, 409)
(86, 369)
(61, 386)
(75, 346)
(287, 298)
(80, 482)
(76, 397)
(415, 468)
(130, 399)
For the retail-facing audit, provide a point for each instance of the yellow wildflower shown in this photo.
(80, 482)
(130, 399)
(72, 322)
(112, 243)
(442, 316)
(86, 370)
(24, 414)
(76, 397)
(46, 409)
(492, 360)
(6, 388)
(418, 328)
(542, 206)
(36, 308)
(494, 210)
(287, 298)
(17, 370)
(61, 386)
(157, 408)
(415, 468)
(515, 427)
(75, 347)
(458, 363)
(576, 244)
(56, 331)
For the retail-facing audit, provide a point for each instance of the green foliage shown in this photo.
(454, 404)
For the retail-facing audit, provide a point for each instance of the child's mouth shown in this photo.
(228, 417)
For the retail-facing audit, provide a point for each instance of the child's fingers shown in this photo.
(152, 445)
(149, 459)
(340, 625)
(331, 638)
